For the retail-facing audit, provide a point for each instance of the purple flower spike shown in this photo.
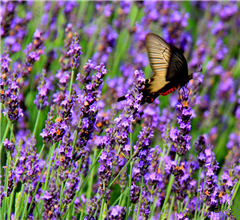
(43, 88)
(8, 145)
(33, 52)
(181, 137)
(117, 212)
(74, 51)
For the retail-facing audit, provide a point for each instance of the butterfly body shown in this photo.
(169, 67)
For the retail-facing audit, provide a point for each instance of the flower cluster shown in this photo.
(12, 100)
(181, 137)
(33, 52)
(74, 51)
(43, 89)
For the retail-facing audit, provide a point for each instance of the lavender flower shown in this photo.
(12, 101)
(41, 98)
(74, 51)
(117, 213)
(9, 145)
(5, 71)
(72, 186)
(181, 138)
(33, 52)
(108, 41)
(141, 149)
(51, 201)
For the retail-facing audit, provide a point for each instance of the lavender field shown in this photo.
(70, 150)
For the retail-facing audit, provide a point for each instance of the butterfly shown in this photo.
(169, 67)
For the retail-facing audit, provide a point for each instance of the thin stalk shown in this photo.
(75, 135)
(11, 202)
(55, 159)
(235, 192)
(178, 205)
(36, 123)
(81, 216)
(25, 208)
(18, 211)
(171, 206)
(6, 182)
(89, 191)
(70, 85)
(222, 208)
(122, 197)
(118, 199)
(186, 204)
(140, 199)
(203, 211)
(101, 215)
(121, 171)
(130, 177)
(5, 136)
(40, 153)
(160, 165)
(70, 213)
(170, 185)
(152, 208)
(199, 180)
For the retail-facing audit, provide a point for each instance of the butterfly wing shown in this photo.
(178, 69)
(159, 54)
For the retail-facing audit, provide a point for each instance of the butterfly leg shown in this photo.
(188, 90)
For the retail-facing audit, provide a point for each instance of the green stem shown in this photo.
(76, 135)
(6, 181)
(130, 177)
(121, 171)
(235, 192)
(25, 208)
(152, 207)
(118, 199)
(89, 191)
(19, 207)
(199, 180)
(70, 85)
(36, 123)
(203, 211)
(5, 136)
(40, 153)
(101, 215)
(171, 206)
(222, 208)
(140, 199)
(61, 195)
(11, 201)
(170, 185)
